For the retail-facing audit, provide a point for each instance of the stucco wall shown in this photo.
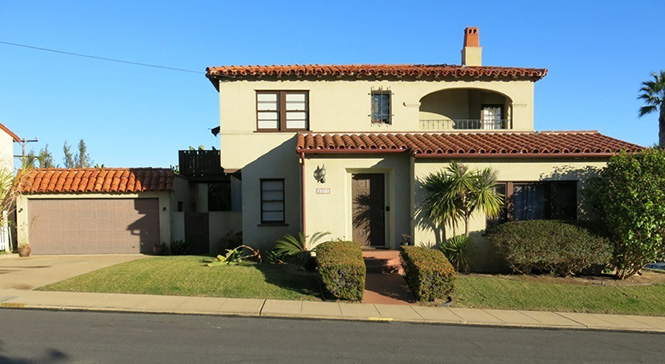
(277, 161)
(6, 151)
(344, 106)
(333, 211)
(507, 170)
(222, 223)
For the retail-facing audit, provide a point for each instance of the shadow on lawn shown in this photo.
(291, 278)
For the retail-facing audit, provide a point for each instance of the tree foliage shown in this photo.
(453, 194)
(82, 158)
(629, 197)
(79, 159)
(45, 158)
(653, 94)
(68, 159)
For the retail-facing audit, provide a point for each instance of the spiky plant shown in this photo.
(291, 246)
(459, 250)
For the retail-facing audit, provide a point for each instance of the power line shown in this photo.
(99, 58)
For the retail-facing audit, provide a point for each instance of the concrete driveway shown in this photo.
(40, 270)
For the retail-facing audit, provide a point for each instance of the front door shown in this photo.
(368, 211)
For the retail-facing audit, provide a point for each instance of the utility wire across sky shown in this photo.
(99, 58)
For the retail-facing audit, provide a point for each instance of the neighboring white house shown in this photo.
(7, 140)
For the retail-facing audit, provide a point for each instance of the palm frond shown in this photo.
(317, 236)
(645, 110)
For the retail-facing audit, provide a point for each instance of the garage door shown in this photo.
(93, 226)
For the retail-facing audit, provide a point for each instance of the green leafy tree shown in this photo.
(653, 94)
(453, 194)
(629, 197)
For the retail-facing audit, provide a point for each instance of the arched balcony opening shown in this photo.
(465, 109)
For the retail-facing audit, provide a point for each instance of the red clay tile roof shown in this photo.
(11, 134)
(95, 180)
(437, 71)
(468, 144)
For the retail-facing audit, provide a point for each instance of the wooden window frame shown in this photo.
(281, 110)
(272, 222)
(509, 214)
(390, 106)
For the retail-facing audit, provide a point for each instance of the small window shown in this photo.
(272, 201)
(491, 117)
(381, 107)
(282, 110)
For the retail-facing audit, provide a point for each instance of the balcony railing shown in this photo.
(463, 124)
(200, 164)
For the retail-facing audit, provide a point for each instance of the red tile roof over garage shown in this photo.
(437, 71)
(96, 180)
(468, 144)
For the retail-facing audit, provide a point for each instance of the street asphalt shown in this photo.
(35, 336)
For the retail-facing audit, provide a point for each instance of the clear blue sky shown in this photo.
(597, 53)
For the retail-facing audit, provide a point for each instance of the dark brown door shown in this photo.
(368, 209)
(197, 232)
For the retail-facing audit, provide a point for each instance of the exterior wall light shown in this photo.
(320, 174)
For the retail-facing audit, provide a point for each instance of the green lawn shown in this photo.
(186, 276)
(502, 293)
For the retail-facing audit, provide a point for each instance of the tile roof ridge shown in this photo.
(568, 132)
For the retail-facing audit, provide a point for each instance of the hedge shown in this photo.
(550, 246)
(428, 273)
(342, 269)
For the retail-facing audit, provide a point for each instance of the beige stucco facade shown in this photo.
(344, 106)
(508, 170)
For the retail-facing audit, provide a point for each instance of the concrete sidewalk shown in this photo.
(324, 310)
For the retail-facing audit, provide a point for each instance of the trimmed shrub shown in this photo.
(428, 273)
(342, 269)
(550, 246)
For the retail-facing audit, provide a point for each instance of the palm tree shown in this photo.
(453, 194)
(653, 94)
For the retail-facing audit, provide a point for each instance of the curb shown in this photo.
(383, 320)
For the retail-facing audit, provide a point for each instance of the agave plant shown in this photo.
(459, 250)
(291, 246)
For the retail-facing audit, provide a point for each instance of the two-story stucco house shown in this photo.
(342, 148)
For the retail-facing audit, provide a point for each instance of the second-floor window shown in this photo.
(282, 110)
(381, 106)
